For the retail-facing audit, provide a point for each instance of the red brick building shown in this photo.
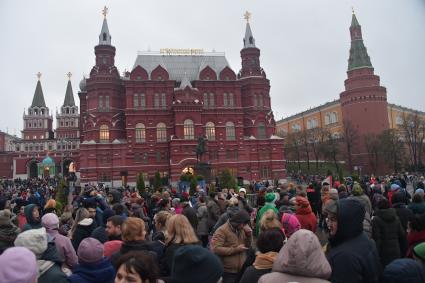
(364, 101)
(42, 151)
(149, 120)
(6, 154)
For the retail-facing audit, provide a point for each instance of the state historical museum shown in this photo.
(150, 119)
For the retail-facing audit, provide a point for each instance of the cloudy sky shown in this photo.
(304, 44)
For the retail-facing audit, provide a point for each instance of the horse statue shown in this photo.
(200, 148)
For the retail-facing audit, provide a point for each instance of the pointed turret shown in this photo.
(354, 22)
(250, 54)
(69, 95)
(364, 101)
(249, 40)
(105, 36)
(38, 99)
(358, 52)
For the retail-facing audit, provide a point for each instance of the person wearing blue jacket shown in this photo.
(92, 266)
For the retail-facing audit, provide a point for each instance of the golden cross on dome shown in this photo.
(69, 75)
(247, 16)
(105, 11)
(38, 75)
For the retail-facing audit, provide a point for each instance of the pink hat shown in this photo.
(111, 247)
(290, 224)
(18, 265)
(90, 250)
(50, 221)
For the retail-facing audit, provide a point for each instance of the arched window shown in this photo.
(189, 130)
(104, 36)
(104, 133)
(231, 100)
(161, 132)
(206, 100)
(296, 127)
(142, 101)
(261, 131)
(260, 101)
(334, 117)
(210, 131)
(136, 101)
(140, 133)
(225, 99)
(164, 101)
(230, 131)
(212, 100)
(156, 100)
(327, 119)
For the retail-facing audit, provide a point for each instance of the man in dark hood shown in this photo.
(351, 254)
(32, 213)
(114, 196)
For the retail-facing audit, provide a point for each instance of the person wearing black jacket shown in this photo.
(388, 233)
(133, 236)
(403, 213)
(351, 254)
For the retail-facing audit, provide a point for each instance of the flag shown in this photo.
(327, 181)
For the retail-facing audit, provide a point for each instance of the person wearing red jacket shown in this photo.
(305, 215)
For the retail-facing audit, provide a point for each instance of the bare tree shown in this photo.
(350, 138)
(392, 148)
(373, 149)
(413, 132)
(316, 137)
(331, 147)
(293, 147)
(304, 140)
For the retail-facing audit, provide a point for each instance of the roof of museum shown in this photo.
(180, 66)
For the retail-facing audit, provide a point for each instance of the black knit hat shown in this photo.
(240, 217)
(195, 264)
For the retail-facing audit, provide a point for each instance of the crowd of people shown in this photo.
(348, 231)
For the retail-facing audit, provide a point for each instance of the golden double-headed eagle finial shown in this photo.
(247, 16)
(105, 11)
(38, 75)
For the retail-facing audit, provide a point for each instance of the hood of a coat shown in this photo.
(304, 210)
(28, 214)
(86, 222)
(135, 246)
(231, 210)
(388, 215)
(350, 215)
(116, 196)
(403, 270)
(102, 271)
(302, 255)
(51, 254)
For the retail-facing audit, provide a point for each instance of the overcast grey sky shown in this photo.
(304, 44)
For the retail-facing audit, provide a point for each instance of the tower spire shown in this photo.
(354, 22)
(105, 37)
(38, 99)
(359, 57)
(248, 41)
(69, 95)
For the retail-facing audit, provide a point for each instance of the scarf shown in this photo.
(264, 261)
